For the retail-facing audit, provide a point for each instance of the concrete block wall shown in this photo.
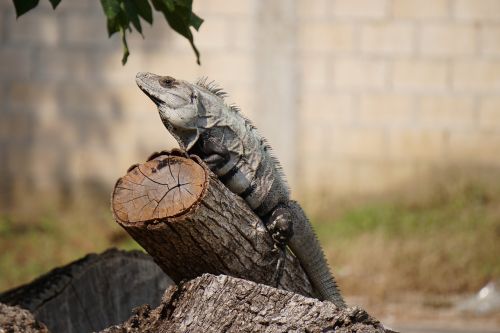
(393, 89)
(356, 96)
(72, 118)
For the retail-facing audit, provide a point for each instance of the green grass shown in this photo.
(447, 243)
(32, 246)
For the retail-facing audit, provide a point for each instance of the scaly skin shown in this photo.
(202, 124)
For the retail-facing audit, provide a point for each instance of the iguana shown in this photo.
(203, 124)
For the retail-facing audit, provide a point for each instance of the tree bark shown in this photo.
(91, 293)
(226, 304)
(191, 224)
(13, 319)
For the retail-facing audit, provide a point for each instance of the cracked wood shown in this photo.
(191, 224)
(226, 304)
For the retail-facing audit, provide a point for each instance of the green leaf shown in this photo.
(111, 8)
(55, 3)
(126, 52)
(180, 19)
(119, 14)
(132, 14)
(170, 5)
(23, 6)
(157, 5)
(196, 21)
(123, 18)
(112, 26)
(144, 10)
(183, 8)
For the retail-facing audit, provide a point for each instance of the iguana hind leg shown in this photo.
(279, 224)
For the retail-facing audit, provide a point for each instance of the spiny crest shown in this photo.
(267, 148)
(214, 88)
(234, 107)
(211, 86)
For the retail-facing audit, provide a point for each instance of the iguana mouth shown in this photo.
(159, 101)
(156, 100)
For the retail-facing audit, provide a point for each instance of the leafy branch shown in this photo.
(125, 15)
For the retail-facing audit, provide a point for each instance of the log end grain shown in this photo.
(164, 187)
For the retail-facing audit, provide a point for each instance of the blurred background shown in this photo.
(384, 113)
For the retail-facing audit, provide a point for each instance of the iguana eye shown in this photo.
(166, 81)
(193, 97)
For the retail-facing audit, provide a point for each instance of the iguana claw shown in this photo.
(280, 265)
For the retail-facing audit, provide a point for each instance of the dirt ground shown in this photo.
(426, 314)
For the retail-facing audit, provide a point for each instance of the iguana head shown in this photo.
(178, 105)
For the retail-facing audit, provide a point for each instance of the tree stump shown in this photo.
(227, 304)
(91, 293)
(191, 224)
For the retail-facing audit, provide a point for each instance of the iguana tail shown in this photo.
(305, 246)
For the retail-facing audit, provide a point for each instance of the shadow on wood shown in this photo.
(91, 293)
(191, 224)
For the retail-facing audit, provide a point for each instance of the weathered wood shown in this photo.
(191, 224)
(226, 304)
(13, 319)
(160, 188)
(91, 293)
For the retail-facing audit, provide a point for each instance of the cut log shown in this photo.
(191, 224)
(226, 304)
(92, 293)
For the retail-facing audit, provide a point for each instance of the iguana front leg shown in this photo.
(215, 153)
(280, 226)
